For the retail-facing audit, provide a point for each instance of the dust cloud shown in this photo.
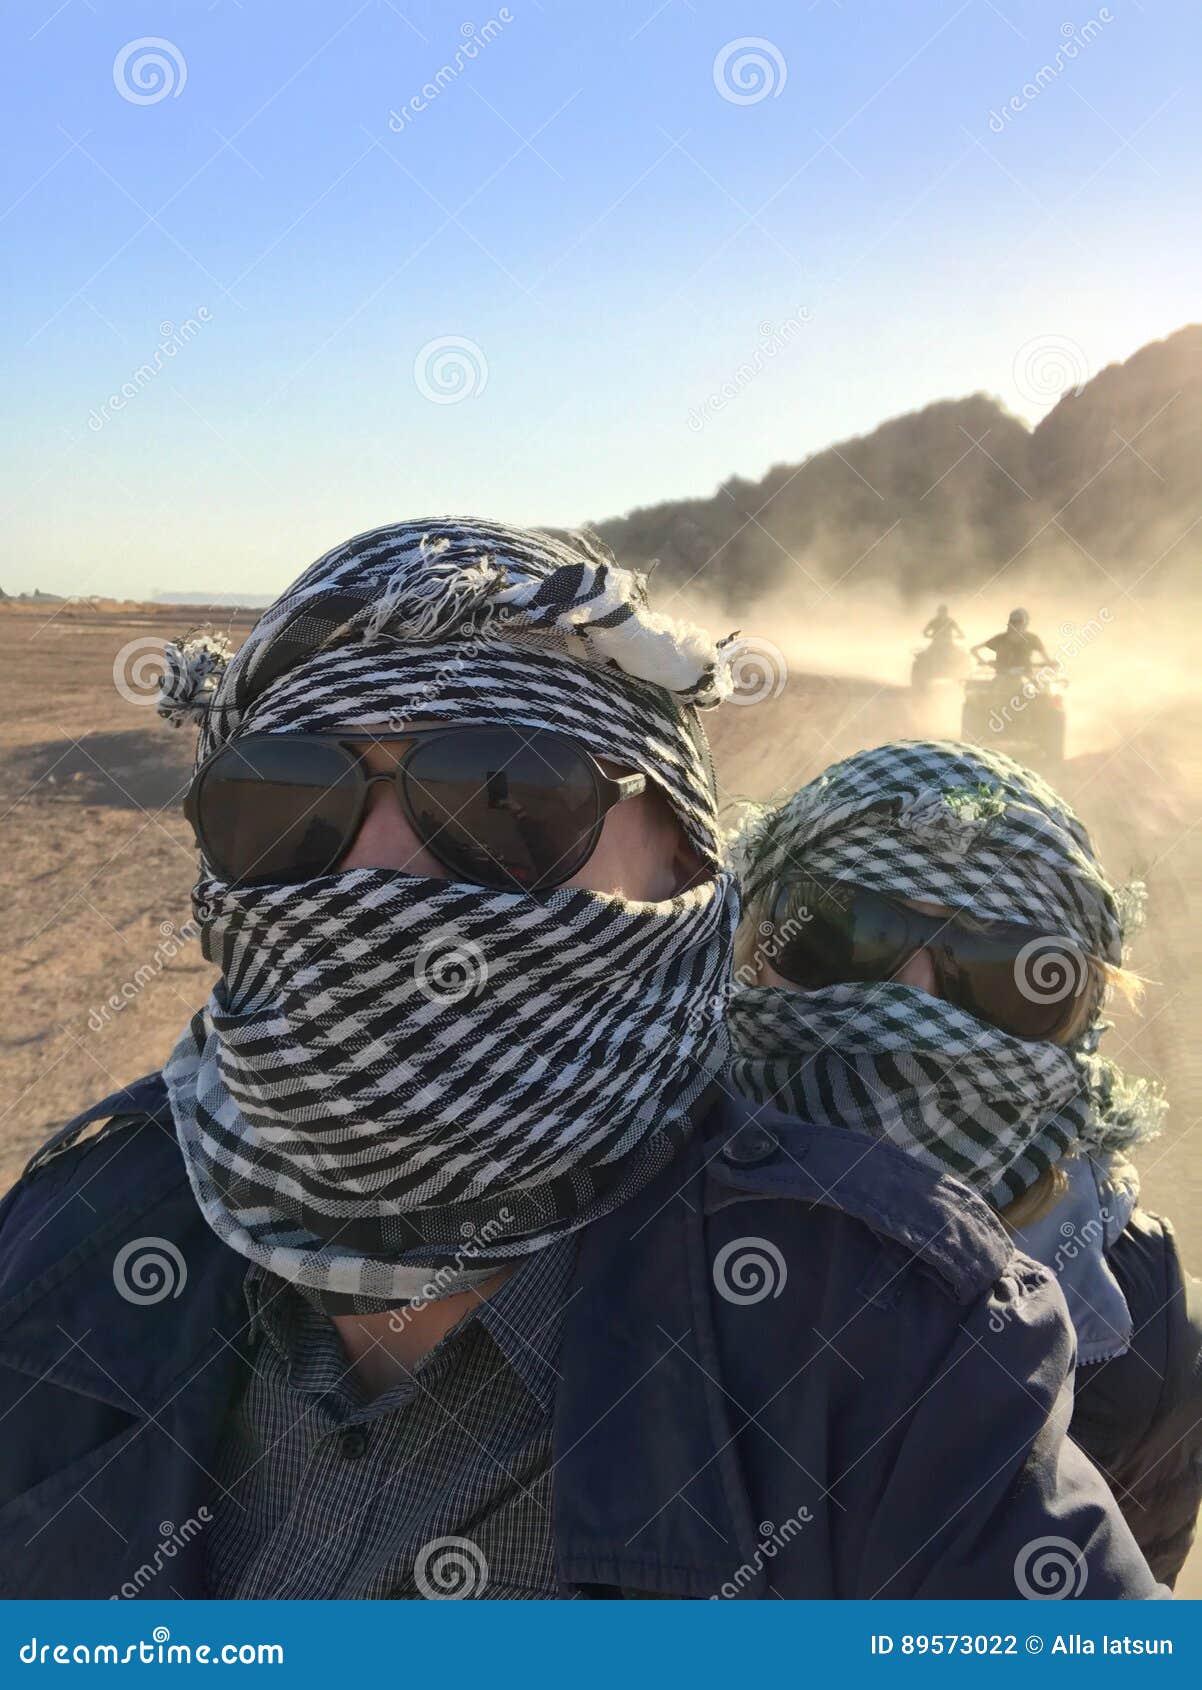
(1130, 659)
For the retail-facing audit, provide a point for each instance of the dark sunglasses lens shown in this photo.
(503, 807)
(809, 940)
(825, 934)
(274, 809)
(1029, 986)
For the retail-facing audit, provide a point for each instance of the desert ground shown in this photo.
(96, 862)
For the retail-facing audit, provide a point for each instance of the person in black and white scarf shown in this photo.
(286, 1083)
(461, 1215)
(925, 955)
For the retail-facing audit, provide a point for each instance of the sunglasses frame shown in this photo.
(610, 791)
(931, 933)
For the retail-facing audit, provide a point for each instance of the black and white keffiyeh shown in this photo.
(898, 1064)
(400, 1083)
(418, 582)
(950, 823)
(972, 830)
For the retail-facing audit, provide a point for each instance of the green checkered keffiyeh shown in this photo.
(970, 829)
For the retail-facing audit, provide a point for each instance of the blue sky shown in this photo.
(521, 294)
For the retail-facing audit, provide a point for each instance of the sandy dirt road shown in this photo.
(96, 862)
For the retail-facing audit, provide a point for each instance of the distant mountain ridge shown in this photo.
(1107, 486)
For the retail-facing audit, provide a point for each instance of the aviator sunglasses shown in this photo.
(1028, 983)
(506, 808)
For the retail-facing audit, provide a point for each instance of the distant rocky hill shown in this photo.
(1106, 486)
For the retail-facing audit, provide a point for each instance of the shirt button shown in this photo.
(749, 1146)
(354, 1443)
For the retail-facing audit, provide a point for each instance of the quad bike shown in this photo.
(1018, 711)
(944, 660)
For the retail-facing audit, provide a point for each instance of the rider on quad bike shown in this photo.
(942, 626)
(1020, 707)
(944, 658)
(1016, 648)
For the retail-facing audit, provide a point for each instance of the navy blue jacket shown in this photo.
(883, 1416)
